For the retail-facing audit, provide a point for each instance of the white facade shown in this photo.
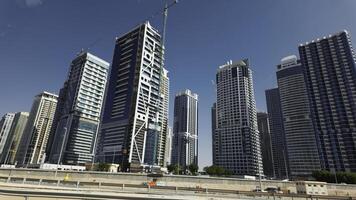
(79, 110)
(34, 140)
(61, 167)
(162, 158)
(168, 151)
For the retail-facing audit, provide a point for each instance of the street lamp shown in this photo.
(60, 153)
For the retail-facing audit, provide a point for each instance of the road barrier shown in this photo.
(104, 186)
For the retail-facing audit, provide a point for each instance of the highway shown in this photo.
(34, 190)
(69, 185)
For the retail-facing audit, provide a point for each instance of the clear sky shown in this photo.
(39, 38)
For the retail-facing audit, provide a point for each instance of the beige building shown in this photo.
(34, 140)
(311, 187)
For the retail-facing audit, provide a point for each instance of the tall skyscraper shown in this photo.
(266, 144)
(279, 149)
(330, 72)
(14, 137)
(34, 140)
(213, 128)
(5, 126)
(78, 111)
(135, 102)
(300, 138)
(236, 138)
(185, 129)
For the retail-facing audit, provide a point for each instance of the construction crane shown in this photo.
(155, 107)
(165, 16)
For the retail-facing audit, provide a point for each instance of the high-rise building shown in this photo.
(213, 128)
(330, 72)
(275, 118)
(78, 111)
(5, 126)
(35, 137)
(185, 129)
(236, 138)
(135, 102)
(14, 137)
(266, 144)
(301, 146)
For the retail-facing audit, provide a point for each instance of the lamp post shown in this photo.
(60, 153)
(335, 175)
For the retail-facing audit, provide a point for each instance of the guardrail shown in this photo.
(128, 187)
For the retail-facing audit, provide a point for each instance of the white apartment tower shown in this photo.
(78, 112)
(35, 137)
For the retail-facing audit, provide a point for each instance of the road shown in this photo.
(12, 191)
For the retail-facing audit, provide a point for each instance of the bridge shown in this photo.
(29, 183)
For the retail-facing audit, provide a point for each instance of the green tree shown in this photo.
(193, 168)
(175, 169)
(342, 177)
(170, 168)
(217, 171)
(103, 167)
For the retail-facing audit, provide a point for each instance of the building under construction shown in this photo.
(134, 122)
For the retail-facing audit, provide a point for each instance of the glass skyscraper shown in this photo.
(266, 144)
(300, 140)
(275, 117)
(14, 137)
(185, 129)
(330, 73)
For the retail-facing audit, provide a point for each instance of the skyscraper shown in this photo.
(14, 138)
(266, 144)
(34, 140)
(78, 111)
(236, 138)
(301, 146)
(279, 149)
(5, 127)
(185, 129)
(330, 72)
(135, 102)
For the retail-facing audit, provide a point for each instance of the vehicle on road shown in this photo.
(259, 190)
(273, 190)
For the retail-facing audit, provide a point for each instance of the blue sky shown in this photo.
(39, 38)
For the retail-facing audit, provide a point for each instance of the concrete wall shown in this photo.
(129, 178)
(177, 181)
(342, 190)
